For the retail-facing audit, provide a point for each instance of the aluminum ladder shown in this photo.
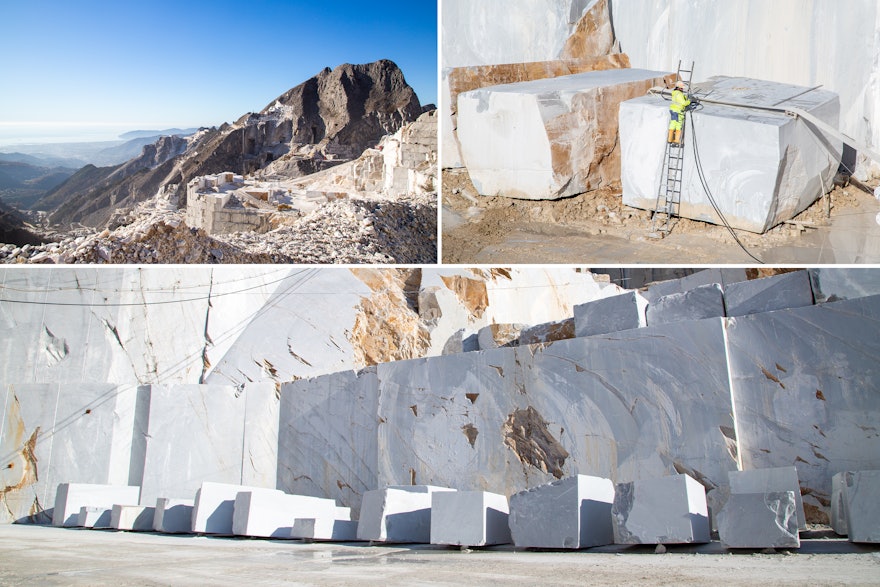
(669, 193)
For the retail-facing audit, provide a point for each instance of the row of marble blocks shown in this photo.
(855, 505)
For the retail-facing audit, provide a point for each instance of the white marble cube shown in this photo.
(705, 301)
(862, 503)
(138, 518)
(271, 514)
(71, 497)
(214, 505)
(469, 518)
(569, 513)
(399, 514)
(789, 290)
(759, 520)
(323, 529)
(770, 480)
(173, 516)
(669, 510)
(94, 517)
(613, 314)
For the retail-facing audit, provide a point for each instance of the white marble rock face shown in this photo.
(137, 518)
(214, 505)
(548, 138)
(612, 314)
(721, 276)
(704, 301)
(817, 365)
(216, 433)
(788, 290)
(71, 497)
(570, 513)
(761, 167)
(271, 514)
(173, 516)
(400, 514)
(670, 510)
(768, 481)
(759, 520)
(469, 518)
(94, 517)
(861, 491)
(832, 284)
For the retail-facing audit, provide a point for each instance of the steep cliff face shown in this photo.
(328, 119)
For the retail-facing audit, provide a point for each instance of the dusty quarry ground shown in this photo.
(37, 555)
(597, 228)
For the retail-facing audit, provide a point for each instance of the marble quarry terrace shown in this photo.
(696, 405)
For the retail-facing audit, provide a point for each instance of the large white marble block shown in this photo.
(219, 433)
(770, 480)
(214, 505)
(400, 514)
(613, 314)
(832, 284)
(788, 290)
(71, 497)
(569, 513)
(722, 276)
(838, 503)
(469, 518)
(94, 517)
(670, 510)
(761, 167)
(804, 384)
(705, 301)
(173, 516)
(759, 520)
(138, 518)
(323, 529)
(548, 138)
(271, 514)
(862, 503)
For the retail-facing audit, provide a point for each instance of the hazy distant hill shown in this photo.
(143, 134)
(326, 120)
(22, 184)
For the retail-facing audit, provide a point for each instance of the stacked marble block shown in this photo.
(762, 167)
(764, 509)
(855, 505)
(90, 502)
(397, 514)
(469, 518)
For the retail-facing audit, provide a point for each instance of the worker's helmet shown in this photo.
(680, 85)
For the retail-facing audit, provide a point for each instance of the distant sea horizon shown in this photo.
(31, 134)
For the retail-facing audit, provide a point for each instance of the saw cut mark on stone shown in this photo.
(526, 434)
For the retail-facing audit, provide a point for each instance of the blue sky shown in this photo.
(194, 62)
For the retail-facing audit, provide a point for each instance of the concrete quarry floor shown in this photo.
(597, 228)
(68, 556)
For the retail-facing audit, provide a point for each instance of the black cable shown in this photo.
(712, 199)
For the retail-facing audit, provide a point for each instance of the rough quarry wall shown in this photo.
(803, 42)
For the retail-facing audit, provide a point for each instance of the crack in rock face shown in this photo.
(526, 434)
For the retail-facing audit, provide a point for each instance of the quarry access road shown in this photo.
(69, 556)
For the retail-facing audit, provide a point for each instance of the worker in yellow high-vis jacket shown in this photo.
(680, 102)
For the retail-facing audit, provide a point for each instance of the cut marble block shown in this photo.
(71, 497)
(760, 520)
(173, 516)
(670, 510)
(761, 167)
(215, 433)
(338, 411)
(322, 529)
(548, 138)
(833, 284)
(548, 332)
(569, 513)
(723, 277)
(789, 290)
(705, 301)
(469, 518)
(271, 514)
(132, 517)
(400, 514)
(623, 312)
(862, 503)
(838, 504)
(804, 384)
(94, 517)
(214, 505)
(42, 428)
(598, 406)
(767, 481)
